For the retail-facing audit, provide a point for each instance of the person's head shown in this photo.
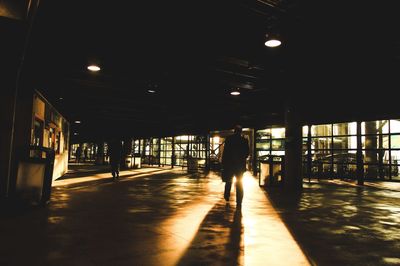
(238, 129)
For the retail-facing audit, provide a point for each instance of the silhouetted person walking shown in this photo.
(78, 153)
(236, 150)
(115, 153)
(85, 154)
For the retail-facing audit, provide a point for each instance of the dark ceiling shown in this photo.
(192, 53)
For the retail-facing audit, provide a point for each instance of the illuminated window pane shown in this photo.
(395, 141)
(345, 129)
(263, 134)
(263, 145)
(278, 144)
(321, 143)
(321, 130)
(375, 127)
(305, 131)
(375, 142)
(395, 126)
(278, 133)
(345, 142)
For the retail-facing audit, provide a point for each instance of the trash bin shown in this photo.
(271, 171)
(35, 176)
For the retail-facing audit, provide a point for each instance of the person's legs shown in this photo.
(227, 191)
(113, 170)
(117, 170)
(239, 189)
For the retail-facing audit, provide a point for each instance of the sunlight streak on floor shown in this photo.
(123, 174)
(184, 225)
(267, 241)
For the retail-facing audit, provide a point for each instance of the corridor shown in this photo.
(151, 216)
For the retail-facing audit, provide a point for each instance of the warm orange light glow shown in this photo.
(93, 68)
(267, 241)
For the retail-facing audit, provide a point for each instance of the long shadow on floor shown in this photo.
(219, 240)
(338, 225)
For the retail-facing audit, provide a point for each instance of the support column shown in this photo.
(293, 178)
(360, 163)
(15, 23)
(309, 155)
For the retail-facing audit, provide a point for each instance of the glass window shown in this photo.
(278, 144)
(321, 130)
(278, 133)
(395, 141)
(375, 127)
(37, 138)
(345, 142)
(395, 156)
(321, 143)
(395, 126)
(372, 156)
(305, 131)
(263, 134)
(345, 129)
(263, 145)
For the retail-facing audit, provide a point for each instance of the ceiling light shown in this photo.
(272, 39)
(61, 98)
(77, 122)
(235, 92)
(273, 43)
(151, 91)
(93, 68)
(76, 134)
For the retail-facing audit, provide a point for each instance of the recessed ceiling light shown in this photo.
(93, 68)
(273, 43)
(76, 134)
(235, 93)
(61, 98)
(78, 121)
(151, 91)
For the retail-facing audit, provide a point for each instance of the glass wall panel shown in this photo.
(345, 129)
(395, 156)
(321, 143)
(395, 172)
(375, 127)
(395, 126)
(278, 144)
(395, 141)
(321, 130)
(371, 171)
(270, 141)
(305, 131)
(263, 145)
(264, 133)
(371, 156)
(278, 133)
(345, 142)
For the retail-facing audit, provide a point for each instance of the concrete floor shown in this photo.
(158, 216)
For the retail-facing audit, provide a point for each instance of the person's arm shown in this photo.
(225, 152)
(247, 152)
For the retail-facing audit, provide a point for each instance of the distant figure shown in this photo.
(236, 150)
(85, 154)
(115, 153)
(78, 153)
(173, 160)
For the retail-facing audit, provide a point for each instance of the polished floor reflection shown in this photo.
(340, 223)
(149, 217)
